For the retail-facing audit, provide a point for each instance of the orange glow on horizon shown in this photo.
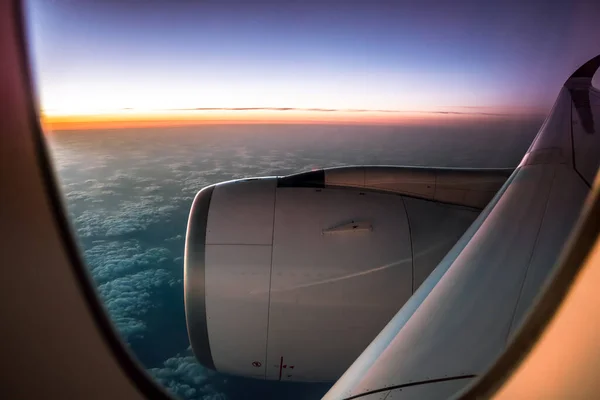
(130, 119)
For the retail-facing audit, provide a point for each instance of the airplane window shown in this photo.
(146, 103)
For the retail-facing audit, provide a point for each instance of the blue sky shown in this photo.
(98, 56)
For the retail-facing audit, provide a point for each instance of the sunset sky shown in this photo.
(327, 61)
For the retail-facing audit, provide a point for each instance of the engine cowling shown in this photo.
(290, 278)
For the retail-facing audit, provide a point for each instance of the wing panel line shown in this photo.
(412, 250)
(404, 385)
(270, 280)
(537, 238)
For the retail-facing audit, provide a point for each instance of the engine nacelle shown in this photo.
(290, 278)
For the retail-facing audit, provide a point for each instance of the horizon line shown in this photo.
(523, 110)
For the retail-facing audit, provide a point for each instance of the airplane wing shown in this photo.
(466, 312)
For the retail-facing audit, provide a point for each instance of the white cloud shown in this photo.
(110, 259)
(128, 217)
(129, 298)
(184, 377)
(174, 238)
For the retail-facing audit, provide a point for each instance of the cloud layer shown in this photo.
(184, 377)
(128, 299)
(129, 194)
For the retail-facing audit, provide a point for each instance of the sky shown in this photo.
(299, 60)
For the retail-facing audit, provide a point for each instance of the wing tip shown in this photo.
(588, 69)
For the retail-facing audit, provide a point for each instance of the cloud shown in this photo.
(129, 216)
(110, 259)
(75, 195)
(184, 377)
(129, 298)
(177, 238)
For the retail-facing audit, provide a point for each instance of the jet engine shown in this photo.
(290, 278)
